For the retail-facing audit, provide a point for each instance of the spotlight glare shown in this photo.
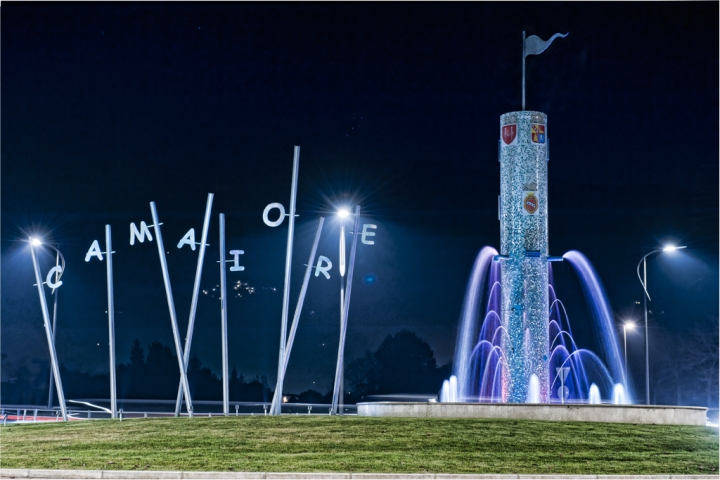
(343, 212)
(670, 248)
(35, 241)
(630, 325)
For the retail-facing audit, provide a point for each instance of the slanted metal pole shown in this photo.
(171, 307)
(54, 325)
(196, 292)
(343, 328)
(48, 333)
(111, 321)
(223, 319)
(288, 264)
(298, 311)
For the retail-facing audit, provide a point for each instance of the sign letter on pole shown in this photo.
(323, 268)
(236, 262)
(140, 234)
(365, 233)
(49, 279)
(279, 220)
(94, 252)
(188, 239)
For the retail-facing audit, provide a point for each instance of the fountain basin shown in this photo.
(653, 414)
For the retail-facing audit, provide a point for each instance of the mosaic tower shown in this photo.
(524, 250)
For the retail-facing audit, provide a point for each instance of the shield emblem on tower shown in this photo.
(537, 132)
(509, 133)
(531, 203)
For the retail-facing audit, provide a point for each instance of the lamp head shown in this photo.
(343, 213)
(35, 241)
(672, 248)
(630, 325)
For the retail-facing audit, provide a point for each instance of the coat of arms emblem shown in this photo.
(509, 132)
(537, 133)
(530, 203)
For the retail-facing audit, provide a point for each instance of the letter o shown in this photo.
(279, 220)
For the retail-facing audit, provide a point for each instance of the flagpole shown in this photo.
(523, 73)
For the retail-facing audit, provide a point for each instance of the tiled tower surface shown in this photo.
(524, 238)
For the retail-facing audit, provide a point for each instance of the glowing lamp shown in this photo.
(35, 241)
(630, 325)
(671, 248)
(342, 213)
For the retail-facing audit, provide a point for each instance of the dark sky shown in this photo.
(396, 106)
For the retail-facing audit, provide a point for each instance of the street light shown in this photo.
(646, 297)
(34, 243)
(345, 290)
(342, 213)
(627, 326)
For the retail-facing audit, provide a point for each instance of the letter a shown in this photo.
(94, 252)
(139, 234)
(188, 239)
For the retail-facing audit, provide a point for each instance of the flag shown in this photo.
(535, 45)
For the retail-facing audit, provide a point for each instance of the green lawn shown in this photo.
(359, 444)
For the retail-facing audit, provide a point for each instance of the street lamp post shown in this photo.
(34, 242)
(346, 306)
(646, 297)
(343, 214)
(58, 255)
(626, 326)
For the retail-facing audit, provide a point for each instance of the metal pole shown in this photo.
(647, 356)
(626, 365)
(523, 72)
(342, 310)
(288, 264)
(196, 292)
(223, 319)
(343, 328)
(298, 311)
(171, 307)
(111, 321)
(48, 333)
(54, 325)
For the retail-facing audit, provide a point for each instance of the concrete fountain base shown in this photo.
(653, 414)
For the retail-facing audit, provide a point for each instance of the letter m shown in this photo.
(139, 234)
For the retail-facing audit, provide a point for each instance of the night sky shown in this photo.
(396, 106)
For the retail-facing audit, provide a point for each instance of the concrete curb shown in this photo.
(570, 412)
(161, 475)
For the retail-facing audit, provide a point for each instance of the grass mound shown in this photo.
(361, 444)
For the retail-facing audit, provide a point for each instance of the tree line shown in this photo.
(403, 363)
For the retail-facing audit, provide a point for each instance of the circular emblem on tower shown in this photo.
(530, 203)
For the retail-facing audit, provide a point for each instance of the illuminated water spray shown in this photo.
(514, 340)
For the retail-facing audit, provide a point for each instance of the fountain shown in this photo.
(520, 354)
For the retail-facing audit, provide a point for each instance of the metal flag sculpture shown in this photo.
(534, 45)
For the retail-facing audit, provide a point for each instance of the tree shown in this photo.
(357, 372)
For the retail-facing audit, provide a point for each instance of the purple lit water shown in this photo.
(478, 367)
